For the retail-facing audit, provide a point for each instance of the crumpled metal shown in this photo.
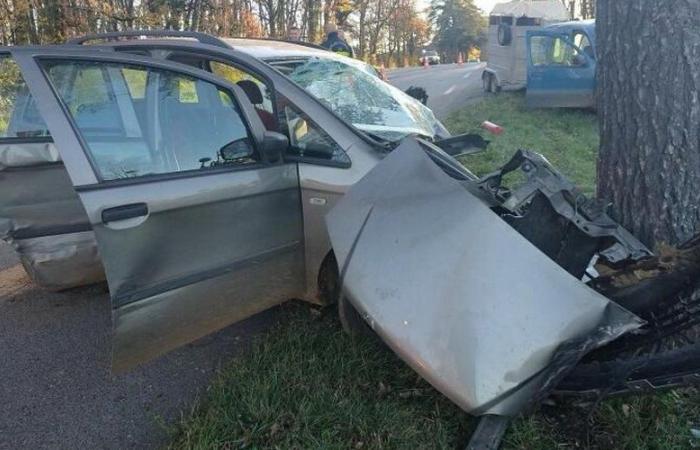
(62, 261)
(465, 300)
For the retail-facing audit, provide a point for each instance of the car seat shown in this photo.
(252, 91)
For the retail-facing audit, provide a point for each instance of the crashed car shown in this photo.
(213, 179)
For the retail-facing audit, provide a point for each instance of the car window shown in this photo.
(581, 41)
(553, 51)
(240, 76)
(138, 121)
(307, 140)
(19, 116)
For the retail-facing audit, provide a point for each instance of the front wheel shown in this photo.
(350, 318)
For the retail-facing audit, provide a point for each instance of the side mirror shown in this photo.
(235, 150)
(579, 61)
(274, 145)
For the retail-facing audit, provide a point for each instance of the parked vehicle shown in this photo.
(562, 65)
(506, 67)
(217, 184)
(431, 57)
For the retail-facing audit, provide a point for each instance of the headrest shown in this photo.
(252, 90)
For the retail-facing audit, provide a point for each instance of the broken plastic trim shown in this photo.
(567, 200)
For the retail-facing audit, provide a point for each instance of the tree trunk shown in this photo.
(649, 115)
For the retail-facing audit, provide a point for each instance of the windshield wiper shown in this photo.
(383, 143)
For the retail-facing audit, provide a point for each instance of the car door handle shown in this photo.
(124, 212)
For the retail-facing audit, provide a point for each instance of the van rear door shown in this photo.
(559, 74)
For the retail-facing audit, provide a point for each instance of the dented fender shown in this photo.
(471, 305)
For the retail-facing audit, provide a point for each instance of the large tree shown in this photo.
(458, 25)
(649, 112)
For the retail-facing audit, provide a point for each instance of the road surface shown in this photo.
(449, 86)
(56, 389)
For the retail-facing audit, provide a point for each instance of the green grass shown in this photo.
(568, 139)
(307, 385)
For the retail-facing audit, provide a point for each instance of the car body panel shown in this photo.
(205, 251)
(463, 298)
(42, 218)
(560, 86)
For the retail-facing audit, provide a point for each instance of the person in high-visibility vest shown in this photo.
(335, 41)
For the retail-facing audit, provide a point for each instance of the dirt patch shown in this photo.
(13, 280)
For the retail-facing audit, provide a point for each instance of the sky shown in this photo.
(485, 5)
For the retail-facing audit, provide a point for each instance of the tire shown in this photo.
(351, 320)
(494, 86)
(486, 79)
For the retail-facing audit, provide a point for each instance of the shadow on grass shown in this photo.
(307, 384)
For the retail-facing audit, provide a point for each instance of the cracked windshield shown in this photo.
(359, 97)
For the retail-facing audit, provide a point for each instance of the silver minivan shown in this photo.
(211, 179)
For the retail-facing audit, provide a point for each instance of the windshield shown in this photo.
(353, 91)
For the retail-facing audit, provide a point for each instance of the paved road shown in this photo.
(449, 86)
(56, 389)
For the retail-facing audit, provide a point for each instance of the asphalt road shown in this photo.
(56, 388)
(449, 86)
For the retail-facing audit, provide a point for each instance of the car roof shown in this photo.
(586, 25)
(271, 48)
(260, 48)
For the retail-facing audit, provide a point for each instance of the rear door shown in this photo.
(40, 213)
(559, 74)
(192, 237)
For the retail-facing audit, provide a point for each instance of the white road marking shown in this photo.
(449, 91)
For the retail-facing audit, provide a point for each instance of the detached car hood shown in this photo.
(463, 298)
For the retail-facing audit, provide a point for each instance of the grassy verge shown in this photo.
(307, 385)
(569, 139)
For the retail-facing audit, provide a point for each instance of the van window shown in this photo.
(19, 116)
(581, 41)
(553, 51)
(137, 121)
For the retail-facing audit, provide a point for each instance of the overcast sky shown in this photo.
(485, 5)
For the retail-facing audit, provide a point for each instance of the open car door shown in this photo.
(197, 225)
(559, 74)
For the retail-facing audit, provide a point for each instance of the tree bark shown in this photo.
(649, 114)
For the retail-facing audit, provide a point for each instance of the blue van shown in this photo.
(561, 65)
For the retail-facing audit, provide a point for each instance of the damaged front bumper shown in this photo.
(439, 269)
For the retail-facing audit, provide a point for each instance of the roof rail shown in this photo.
(302, 43)
(112, 36)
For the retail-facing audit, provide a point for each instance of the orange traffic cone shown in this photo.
(460, 59)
